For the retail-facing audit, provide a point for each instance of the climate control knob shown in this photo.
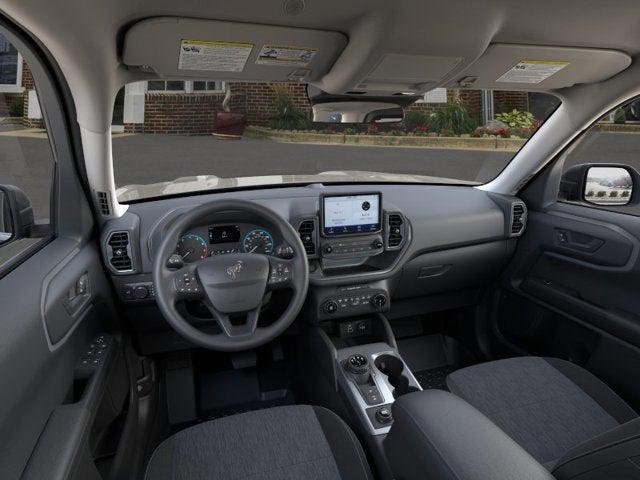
(330, 307)
(379, 300)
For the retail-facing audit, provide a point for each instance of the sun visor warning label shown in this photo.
(213, 56)
(532, 71)
(289, 56)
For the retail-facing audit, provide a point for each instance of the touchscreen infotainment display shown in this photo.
(349, 214)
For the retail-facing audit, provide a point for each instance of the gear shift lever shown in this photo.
(358, 366)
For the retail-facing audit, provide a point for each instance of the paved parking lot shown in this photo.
(25, 160)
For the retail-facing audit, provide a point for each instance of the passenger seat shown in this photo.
(528, 417)
(547, 405)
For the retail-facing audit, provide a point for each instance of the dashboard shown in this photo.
(398, 249)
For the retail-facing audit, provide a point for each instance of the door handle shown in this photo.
(577, 241)
(78, 295)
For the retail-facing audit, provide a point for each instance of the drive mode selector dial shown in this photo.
(357, 364)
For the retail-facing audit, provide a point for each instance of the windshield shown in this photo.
(173, 137)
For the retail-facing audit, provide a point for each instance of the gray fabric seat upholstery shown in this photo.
(548, 406)
(285, 443)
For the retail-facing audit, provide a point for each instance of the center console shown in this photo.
(372, 377)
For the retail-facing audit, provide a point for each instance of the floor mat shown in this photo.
(434, 378)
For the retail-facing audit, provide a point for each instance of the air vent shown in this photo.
(518, 218)
(307, 235)
(119, 252)
(395, 225)
(103, 203)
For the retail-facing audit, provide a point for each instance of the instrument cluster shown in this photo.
(224, 239)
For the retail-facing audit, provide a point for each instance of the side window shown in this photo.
(602, 169)
(26, 160)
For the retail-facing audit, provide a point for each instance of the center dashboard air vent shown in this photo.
(518, 218)
(395, 231)
(307, 232)
(119, 251)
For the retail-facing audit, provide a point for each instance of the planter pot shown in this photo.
(230, 125)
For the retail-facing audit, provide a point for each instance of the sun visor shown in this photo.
(536, 68)
(188, 48)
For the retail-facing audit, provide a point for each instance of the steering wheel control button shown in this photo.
(187, 284)
(280, 273)
(383, 415)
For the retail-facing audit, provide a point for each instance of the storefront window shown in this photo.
(10, 62)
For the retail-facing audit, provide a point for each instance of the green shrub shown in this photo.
(517, 119)
(288, 116)
(16, 107)
(625, 193)
(590, 193)
(601, 193)
(452, 119)
(414, 120)
(619, 116)
(613, 193)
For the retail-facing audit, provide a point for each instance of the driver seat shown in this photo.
(284, 443)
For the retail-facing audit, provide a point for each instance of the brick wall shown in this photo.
(507, 101)
(28, 84)
(179, 113)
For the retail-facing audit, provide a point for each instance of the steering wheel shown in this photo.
(231, 286)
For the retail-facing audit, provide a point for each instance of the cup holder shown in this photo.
(392, 367)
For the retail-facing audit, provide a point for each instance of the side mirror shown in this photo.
(16, 214)
(605, 185)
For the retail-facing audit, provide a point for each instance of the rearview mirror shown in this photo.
(330, 108)
(16, 214)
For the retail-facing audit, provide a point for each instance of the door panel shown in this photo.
(572, 291)
(39, 376)
(61, 391)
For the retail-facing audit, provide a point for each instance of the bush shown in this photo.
(613, 193)
(601, 193)
(625, 193)
(288, 116)
(619, 116)
(517, 119)
(453, 119)
(415, 120)
(16, 107)
(590, 193)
